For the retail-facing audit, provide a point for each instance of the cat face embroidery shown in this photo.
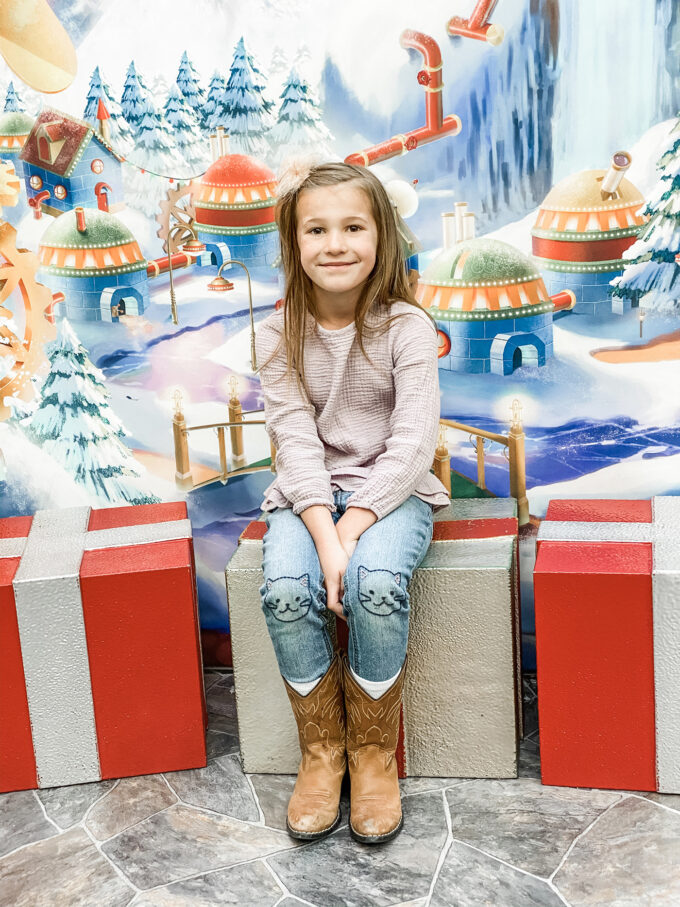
(380, 591)
(288, 597)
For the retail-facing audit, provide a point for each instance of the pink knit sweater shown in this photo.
(373, 432)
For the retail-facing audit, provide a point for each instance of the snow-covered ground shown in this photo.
(34, 480)
(574, 384)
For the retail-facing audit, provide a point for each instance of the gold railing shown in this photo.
(512, 445)
(183, 472)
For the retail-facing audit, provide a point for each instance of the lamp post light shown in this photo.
(517, 463)
(193, 247)
(221, 284)
(641, 315)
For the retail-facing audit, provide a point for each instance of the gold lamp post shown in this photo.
(221, 284)
(641, 315)
(183, 477)
(518, 482)
(193, 247)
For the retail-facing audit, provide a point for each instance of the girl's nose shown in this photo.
(335, 241)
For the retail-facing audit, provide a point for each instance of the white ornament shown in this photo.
(404, 196)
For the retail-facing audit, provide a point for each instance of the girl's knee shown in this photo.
(291, 598)
(380, 592)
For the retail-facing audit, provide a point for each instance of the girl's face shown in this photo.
(337, 237)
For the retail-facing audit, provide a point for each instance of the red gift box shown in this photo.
(606, 591)
(100, 660)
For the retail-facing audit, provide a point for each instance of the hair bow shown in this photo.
(295, 170)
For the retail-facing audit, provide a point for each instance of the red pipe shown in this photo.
(430, 76)
(80, 219)
(400, 144)
(437, 126)
(36, 201)
(477, 25)
(480, 14)
(101, 191)
(564, 300)
(49, 311)
(160, 265)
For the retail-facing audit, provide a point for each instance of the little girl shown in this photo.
(348, 369)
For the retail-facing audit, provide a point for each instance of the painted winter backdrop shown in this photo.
(553, 99)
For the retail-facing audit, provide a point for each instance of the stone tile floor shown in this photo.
(215, 836)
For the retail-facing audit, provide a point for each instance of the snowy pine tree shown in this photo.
(21, 410)
(152, 162)
(242, 109)
(191, 150)
(652, 274)
(299, 127)
(96, 91)
(121, 135)
(188, 82)
(133, 101)
(75, 424)
(13, 103)
(279, 63)
(212, 101)
(259, 81)
(303, 56)
(153, 143)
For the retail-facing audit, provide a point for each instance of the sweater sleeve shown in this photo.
(414, 422)
(301, 474)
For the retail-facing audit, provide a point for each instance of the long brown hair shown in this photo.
(387, 282)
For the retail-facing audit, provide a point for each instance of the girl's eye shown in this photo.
(355, 227)
(315, 230)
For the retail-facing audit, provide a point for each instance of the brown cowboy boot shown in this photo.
(372, 735)
(314, 808)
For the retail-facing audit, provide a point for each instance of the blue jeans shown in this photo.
(375, 601)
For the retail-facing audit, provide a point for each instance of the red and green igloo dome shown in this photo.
(14, 129)
(581, 228)
(482, 279)
(236, 194)
(91, 241)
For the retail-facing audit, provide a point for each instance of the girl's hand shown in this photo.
(333, 561)
(349, 544)
(351, 525)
